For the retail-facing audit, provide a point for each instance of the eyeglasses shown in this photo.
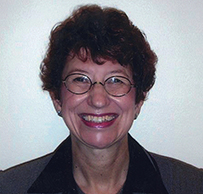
(79, 84)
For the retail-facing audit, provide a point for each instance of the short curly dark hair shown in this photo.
(105, 33)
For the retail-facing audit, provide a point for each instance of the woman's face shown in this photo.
(95, 118)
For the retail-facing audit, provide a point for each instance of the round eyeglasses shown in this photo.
(79, 84)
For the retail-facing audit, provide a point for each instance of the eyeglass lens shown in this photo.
(80, 84)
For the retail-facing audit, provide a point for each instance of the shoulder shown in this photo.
(20, 177)
(179, 177)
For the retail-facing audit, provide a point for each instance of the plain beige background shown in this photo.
(171, 120)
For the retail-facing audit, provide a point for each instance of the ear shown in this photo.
(138, 107)
(56, 102)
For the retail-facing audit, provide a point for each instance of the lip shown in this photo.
(98, 120)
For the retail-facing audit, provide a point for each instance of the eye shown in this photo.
(114, 80)
(81, 79)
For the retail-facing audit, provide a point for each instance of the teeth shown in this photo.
(98, 119)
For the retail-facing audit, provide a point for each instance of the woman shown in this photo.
(98, 70)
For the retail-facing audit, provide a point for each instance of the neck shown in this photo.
(100, 170)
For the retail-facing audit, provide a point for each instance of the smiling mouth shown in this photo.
(99, 119)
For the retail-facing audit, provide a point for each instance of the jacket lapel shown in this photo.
(143, 174)
(57, 176)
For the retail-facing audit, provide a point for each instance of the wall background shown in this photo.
(171, 121)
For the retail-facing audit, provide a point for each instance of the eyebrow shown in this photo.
(77, 70)
(119, 71)
(109, 73)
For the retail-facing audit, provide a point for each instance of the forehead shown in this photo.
(88, 66)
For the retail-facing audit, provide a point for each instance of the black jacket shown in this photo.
(53, 174)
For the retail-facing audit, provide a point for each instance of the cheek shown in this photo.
(128, 102)
(70, 101)
(129, 107)
(67, 98)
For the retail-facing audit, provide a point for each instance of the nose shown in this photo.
(98, 97)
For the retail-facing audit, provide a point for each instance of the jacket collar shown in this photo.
(143, 174)
(57, 177)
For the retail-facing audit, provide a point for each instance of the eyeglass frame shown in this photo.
(92, 84)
